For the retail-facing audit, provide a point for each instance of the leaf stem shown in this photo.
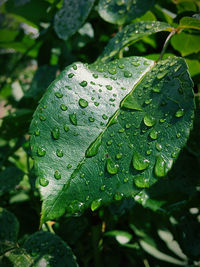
(96, 232)
(166, 44)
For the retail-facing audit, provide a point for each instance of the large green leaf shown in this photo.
(71, 16)
(102, 132)
(122, 11)
(190, 23)
(130, 34)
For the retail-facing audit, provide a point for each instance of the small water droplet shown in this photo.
(109, 87)
(74, 67)
(125, 180)
(122, 130)
(96, 104)
(148, 101)
(43, 181)
(158, 147)
(148, 152)
(91, 119)
(59, 153)
(162, 120)
(136, 64)
(149, 120)
(95, 75)
(121, 66)
(161, 75)
(42, 118)
(127, 74)
(69, 166)
(179, 113)
(66, 128)
(55, 133)
(83, 84)
(112, 168)
(139, 162)
(104, 117)
(70, 75)
(156, 89)
(41, 151)
(178, 135)
(63, 107)
(96, 204)
(37, 132)
(73, 118)
(102, 188)
(112, 71)
(118, 196)
(128, 125)
(119, 155)
(160, 167)
(57, 175)
(83, 103)
(153, 134)
(58, 94)
(109, 142)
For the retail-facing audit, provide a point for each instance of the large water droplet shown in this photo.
(160, 167)
(93, 148)
(158, 147)
(59, 153)
(139, 162)
(112, 168)
(55, 133)
(131, 103)
(73, 118)
(141, 181)
(43, 181)
(83, 84)
(179, 113)
(41, 151)
(149, 120)
(118, 196)
(96, 204)
(83, 103)
(153, 134)
(57, 175)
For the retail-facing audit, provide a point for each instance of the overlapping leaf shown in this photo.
(130, 34)
(122, 11)
(102, 132)
(71, 16)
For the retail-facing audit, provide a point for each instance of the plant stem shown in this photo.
(49, 226)
(95, 242)
(166, 44)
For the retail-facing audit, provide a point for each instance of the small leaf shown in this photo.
(98, 155)
(71, 16)
(130, 34)
(120, 11)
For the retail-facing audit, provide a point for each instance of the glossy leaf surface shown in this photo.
(120, 11)
(124, 136)
(130, 34)
(190, 23)
(71, 16)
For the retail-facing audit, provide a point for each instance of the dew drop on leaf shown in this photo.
(179, 113)
(141, 182)
(149, 120)
(83, 103)
(95, 204)
(131, 103)
(104, 117)
(73, 118)
(95, 76)
(139, 162)
(57, 175)
(93, 148)
(127, 74)
(63, 107)
(41, 151)
(83, 84)
(59, 153)
(55, 133)
(111, 167)
(43, 181)
(119, 155)
(160, 167)
(69, 166)
(158, 147)
(118, 196)
(37, 132)
(109, 87)
(58, 94)
(70, 75)
(66, 128)
(42, 118)
(153, 134)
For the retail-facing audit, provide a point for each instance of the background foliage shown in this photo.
(38, 39)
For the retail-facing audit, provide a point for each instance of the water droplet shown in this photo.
(74, 67)
(109, 87)
(125, 180)
(122, 130)
(58, 94)
(156, 90)
(161, 75)
(42, 118)
(57, 175)
(43, 181)
(102, 188)
(59, 153)
(95, 204)
(95, 75)
(148, 152)
(119, 155)
(136, 64)
(75, 208)
(121, 66)
(149, 120)
(41, 151)
(179, 113)
(178, 135)
(104, 117)
(112, 71)
(118, 196)
(109, 142)
(63, 107)
(37, 132)
(93, 148)
(70, 75)
(139, 162)
(162, 120)
(96, 104)
(83, 103)
(112, 168)
(128, 125)
(153, 134)
(148, 101)
(160, 167)
(66, 128)
(148, 27)
(158, 147)
(73, 118)
(83, 84)
(55, 133)
(131, 103)
(100, 173)
(69, 166)
(127, 74)
(91, 119)
(141, 182)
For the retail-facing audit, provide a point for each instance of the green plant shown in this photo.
(112, 147)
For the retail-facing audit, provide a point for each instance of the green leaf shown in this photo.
(186, 43)
(71, 16)
(9, 228)
(9, 179)
(88, 155)
(50, 249)
(189, 23)
(130, 34)
(120, 11)
(16, 257)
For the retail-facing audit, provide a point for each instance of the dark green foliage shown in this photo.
(99, 133)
